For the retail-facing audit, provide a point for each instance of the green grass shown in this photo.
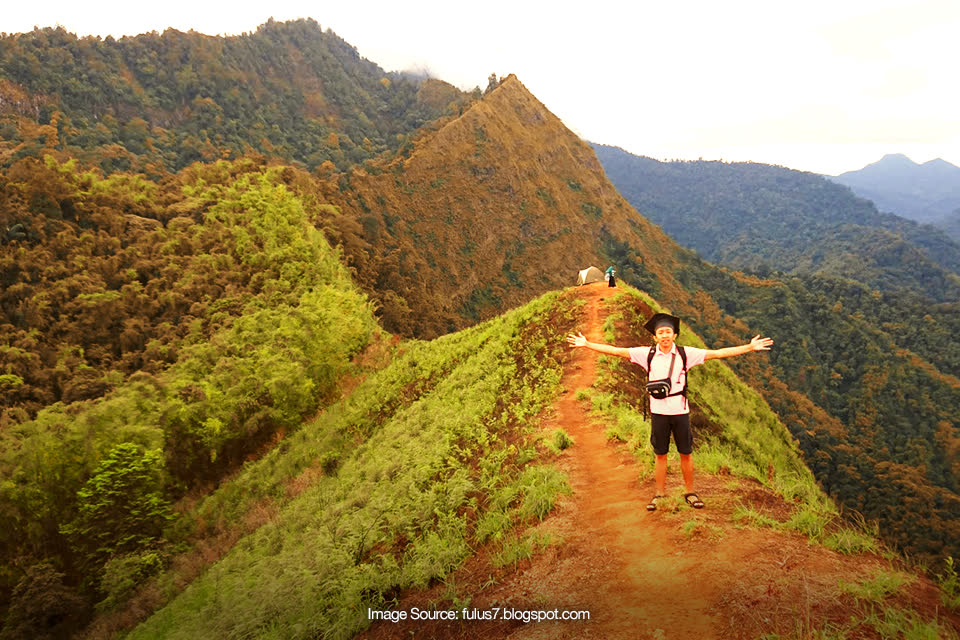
(883, 584)
(559, 441)
(753, 518)
(873, 621)
(520, 548)
(434, 455)
(949, 585)
(696, 527)
(896, 624)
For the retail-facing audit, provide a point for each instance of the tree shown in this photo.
(492, 83)
(122, 507)
(42, 607)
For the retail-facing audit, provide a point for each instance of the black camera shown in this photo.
(659, 389)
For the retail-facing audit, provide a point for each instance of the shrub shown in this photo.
(949, 586)
(42, 607)
(877, 588)
(122, 574)
(561, 440)
(121, 508)
(540, 487)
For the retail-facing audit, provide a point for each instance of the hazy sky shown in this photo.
(822, 85)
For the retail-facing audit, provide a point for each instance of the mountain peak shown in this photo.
(901, 162)
(922, 192)
(896, 159)
(941, 166)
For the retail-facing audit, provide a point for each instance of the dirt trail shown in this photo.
(617, 562)
(675, 574)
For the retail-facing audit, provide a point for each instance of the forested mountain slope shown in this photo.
(487, 210)
(143, 361)
(927, 192)
(158, 102)
(772, 219)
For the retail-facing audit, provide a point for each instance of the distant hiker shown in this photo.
(667, 383)
(611, 276)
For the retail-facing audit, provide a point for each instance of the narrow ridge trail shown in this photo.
(618, 561)
(674, 574)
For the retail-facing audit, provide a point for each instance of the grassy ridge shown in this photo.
(77, 477)
(429, 458)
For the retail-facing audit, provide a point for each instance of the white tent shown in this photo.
(588, 275)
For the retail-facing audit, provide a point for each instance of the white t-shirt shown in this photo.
(659, 368)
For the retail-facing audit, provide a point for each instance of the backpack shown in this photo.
(660, 389)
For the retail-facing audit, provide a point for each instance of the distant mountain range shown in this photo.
(764, 219)
(928, 192)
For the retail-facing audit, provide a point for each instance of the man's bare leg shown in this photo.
(686, 466)
(660, 474)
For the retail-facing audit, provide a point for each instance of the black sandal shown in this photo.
(693, 500)
(652, 506)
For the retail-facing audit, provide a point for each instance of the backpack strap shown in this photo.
(683, 357)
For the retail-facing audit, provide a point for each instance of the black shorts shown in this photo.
(662, 426)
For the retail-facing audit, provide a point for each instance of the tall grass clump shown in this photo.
(949, 583)
(559, 441)
(875, 589)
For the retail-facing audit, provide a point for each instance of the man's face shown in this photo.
(664, 336)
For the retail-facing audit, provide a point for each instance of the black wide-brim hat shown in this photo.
(663, 319)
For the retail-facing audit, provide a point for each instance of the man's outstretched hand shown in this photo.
(761, 344)
(578, 340)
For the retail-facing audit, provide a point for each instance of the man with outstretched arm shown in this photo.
(670, 412)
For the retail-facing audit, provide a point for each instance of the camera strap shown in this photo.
(673, 357)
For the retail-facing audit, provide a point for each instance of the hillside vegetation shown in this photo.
(426, 459)
(159, 102)
(438, 456)
(767, 219)
(169, 360)
(487, 211)
(164, 334)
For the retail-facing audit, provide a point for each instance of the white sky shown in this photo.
(823, 85)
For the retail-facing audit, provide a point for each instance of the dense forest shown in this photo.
(144, 358)
(170, 304)
(159, 102)
(199, 234)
